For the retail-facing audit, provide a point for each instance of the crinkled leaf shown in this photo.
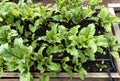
(6, 34)
(87, 13)
(89, 31)
(101, 41)
(103, 13)
(18, 42)
(58, 18)
(90, 53)
(73, 51)
(54, 67)
(92, 45)
(55, 49)
(4, 51)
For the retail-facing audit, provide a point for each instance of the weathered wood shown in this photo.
(60, 79)
(64, 75)
(116, 30)
(115, 1)
(116, 6)
(89, 76)
(105, 2)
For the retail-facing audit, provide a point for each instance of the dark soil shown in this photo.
(117, 13)
(90, 66)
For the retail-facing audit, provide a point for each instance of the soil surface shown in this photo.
(117, 13)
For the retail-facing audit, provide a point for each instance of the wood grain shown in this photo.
(60, 79)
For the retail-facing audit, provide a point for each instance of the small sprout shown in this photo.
(101, 66)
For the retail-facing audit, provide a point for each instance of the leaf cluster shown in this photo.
(32, 37)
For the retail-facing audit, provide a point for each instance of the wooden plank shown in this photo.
(116, 6)
(64, 75)
(115, 1)
(116, 30)
(105, 2)
(60, 79)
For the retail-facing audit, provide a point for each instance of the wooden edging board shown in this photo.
(116, 75)
(116, 29)
(63, 75)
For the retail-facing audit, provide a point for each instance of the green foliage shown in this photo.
(76, 14)
(6, 34)
(101, 66)
(44, 78)
(31, 36)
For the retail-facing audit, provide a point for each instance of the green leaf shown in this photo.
(41, 68)
(55, 49)
(92, 45)
(113, 40)
(21, 3)
(62, 31)
(82, 56)
(58, 18)
(26, 77)
(81, 73)
(18, 42)
(44, 78)
(52, 35)
(89, 31)
(90, 53)
(40, 51)
(32, 28)
(115, 54)
(114, 19)
(65, 59)
(6, 34)
(87, 13)
(101, 41)
(100, 50)
(29, 1)
(1, 71)
(73, 51)
(94, 2)
(4, 51)
(103, 13)
(115, 47)
(1, 19)
(74, 30)
(54, 67)
(68, 69)
(16, 13)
